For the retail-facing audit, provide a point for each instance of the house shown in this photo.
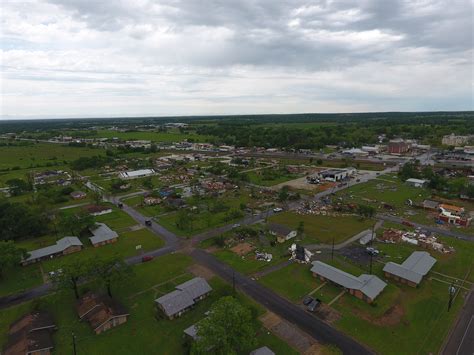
(186, 295)
(101, 312)
(398, 147)
(77, 195)
(412, 270)
(454, 215)
(283, 233)
(102, 235)
(264, 350)
(416, 182)
(64, 246)
(96, 210)
(430, 205)
(31, 335)
(365, 287)
(126, 175)
(151, 201)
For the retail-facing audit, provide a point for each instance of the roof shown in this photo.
(413, 268)
(191, 331)
(98, 309)
(196, 287)
(60, 246)
(430, 204)
(445, 206)
(184, 296)
(32, 332)
(369, 285)
(135, 173)
(264, 350)
(279, 229)
(102, 233)
(416, 181)
(332, 172)
(175, 302)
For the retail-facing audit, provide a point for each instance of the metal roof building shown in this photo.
(136, 173)
(185, 296)
(412, 269)
(59, 247)
(264, 350)
(102, 234)
(368, 285)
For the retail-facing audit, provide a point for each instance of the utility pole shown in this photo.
(74, 343)
(371, 263)
(233, 281)
(332, 249)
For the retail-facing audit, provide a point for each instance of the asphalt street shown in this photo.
(318, 329)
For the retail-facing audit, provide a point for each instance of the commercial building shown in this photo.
(412, 270)
(416, 182)
(127, 175)
(454, 140)
(454, 215)
(365, 287)
(64, 246)
(398, 147)
(334, 175)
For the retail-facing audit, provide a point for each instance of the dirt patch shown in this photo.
(391, 317)
(212, 249)
(201, 271)
(327, 314)
(242, 249)
(298, 339)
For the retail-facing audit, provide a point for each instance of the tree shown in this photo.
(228, 329)
(76, 224)
(10, 255)
(18, 186)
(111, 271)
(366, 211)
(283, 194)
(33, 223)
(71, 273)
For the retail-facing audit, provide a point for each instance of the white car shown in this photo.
(277, 209)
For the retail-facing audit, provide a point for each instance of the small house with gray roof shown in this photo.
(365, 287)
(102, 235)
(63, 246)
(186, 295)
(412, 270)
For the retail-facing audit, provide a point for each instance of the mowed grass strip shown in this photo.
(322, 229)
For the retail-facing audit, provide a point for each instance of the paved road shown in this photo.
(318, 329)
(461, 339)
(448, 233)
(30, 294)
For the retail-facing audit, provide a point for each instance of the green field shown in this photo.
(322, 229)
(258, 179)
(143, 333)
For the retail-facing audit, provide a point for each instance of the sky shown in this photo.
(89, 58)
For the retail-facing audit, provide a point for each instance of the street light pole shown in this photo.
(74, 343)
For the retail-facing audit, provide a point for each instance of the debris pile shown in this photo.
(300, 254)
(420, 238)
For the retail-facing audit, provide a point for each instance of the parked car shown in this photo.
(147, 258)
(237, 225)
(372, 251)
(120, 205)
(148, 222)
(313, 305)
(277, 209)
(408, 223)
(307, 300)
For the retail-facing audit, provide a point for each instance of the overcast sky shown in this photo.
(82, 58)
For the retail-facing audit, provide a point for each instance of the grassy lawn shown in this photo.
(19, 279)
(170, 136)
(321, 229)
(143, 333)
(293, 282)
(117, 219)
(257, 179)
(150, 211)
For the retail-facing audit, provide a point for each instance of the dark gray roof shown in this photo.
(102, 233)
(59, 247)
(196, 287)
(413, 268)
(175, 302)
(430, 204)
(279, 229)
(369, 285)
(264, 350)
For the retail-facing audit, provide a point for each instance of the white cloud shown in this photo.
(81, 58)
